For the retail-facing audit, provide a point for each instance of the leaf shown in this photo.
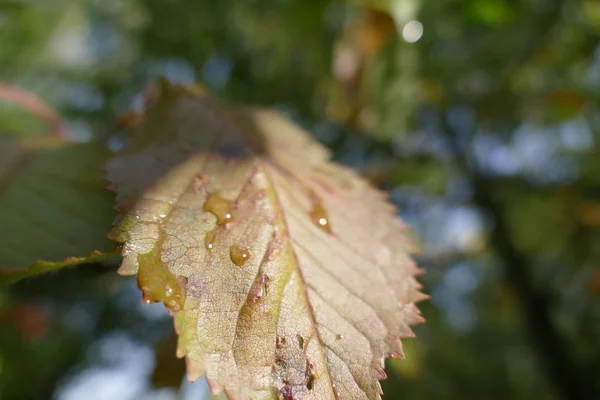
(287, 276)
(12, 275)
(52, 204)
(32, 104)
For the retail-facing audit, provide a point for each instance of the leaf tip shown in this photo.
(195, 369)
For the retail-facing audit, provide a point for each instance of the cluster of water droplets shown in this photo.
(222, 209)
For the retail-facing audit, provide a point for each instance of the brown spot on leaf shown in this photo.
(286, 392)
(260, 288)
(280, 342)
(310, 374)
(200, 181)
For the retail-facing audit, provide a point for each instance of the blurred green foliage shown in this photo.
(485, 130)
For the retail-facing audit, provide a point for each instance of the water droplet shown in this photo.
(220, 207)
(155, 280)
(239, 255)
(209, 239)
(339, 336)
(319, 217)
(146, 301)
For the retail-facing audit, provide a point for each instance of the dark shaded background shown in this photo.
(484, 126)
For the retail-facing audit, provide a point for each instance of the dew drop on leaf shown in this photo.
(219, 207)
(319, 217)
(209, 239)
(239, 255)
(157, 283)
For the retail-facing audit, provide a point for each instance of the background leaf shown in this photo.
(53, 204)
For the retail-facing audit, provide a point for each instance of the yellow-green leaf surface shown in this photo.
(53, 204)
(288, 276)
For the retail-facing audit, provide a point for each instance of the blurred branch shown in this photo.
(562, 370)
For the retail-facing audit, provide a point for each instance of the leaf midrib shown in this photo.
(276, 202)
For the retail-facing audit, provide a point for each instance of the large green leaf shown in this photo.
(288, 276)
(53, 204)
